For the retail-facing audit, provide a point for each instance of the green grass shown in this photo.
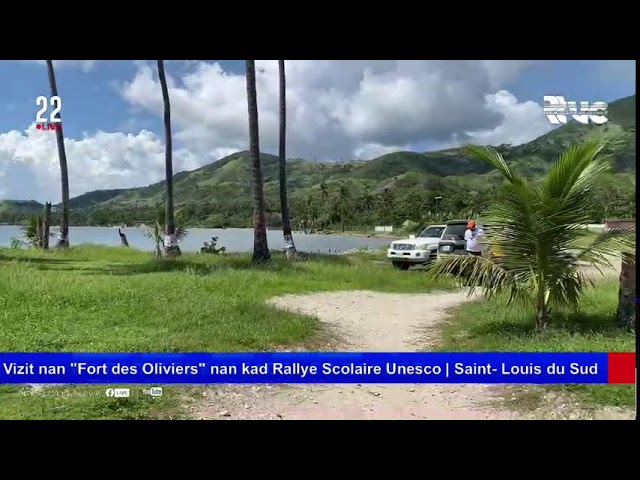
(86, 403)
(495, 326)
(102, 299)
(585, 240)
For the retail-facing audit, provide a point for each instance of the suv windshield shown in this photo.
(455, 231)
(432, 232)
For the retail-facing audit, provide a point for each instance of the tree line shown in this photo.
(342, 205)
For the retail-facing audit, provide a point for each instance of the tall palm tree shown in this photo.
(289, 245)
(343, 204)
(531, 254)
(260, 246)
(171, 247)
(63, 240)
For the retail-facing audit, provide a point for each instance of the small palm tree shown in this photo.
(530, 255)
(158, 229)
(156, 233)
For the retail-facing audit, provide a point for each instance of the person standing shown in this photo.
(472, 238)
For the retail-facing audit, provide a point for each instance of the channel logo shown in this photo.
(153, 391)
(118, 392)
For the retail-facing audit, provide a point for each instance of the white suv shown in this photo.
(416, 250)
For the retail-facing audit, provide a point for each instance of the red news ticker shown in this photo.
(622, 368)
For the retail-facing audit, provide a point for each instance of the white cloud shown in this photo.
(373, 150)
(29, 162)
(336, 110)
(522, 121)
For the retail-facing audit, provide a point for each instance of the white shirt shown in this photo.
(472, 237)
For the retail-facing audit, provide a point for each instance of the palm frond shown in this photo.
(608, 244)
(565, 290)
(494, 159)
(491, 277)
(154, 233)
(566, 172)
(181, 233)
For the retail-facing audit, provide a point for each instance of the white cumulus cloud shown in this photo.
(337, 109)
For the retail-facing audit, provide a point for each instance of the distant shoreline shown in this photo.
(295, 232)
(358, 234)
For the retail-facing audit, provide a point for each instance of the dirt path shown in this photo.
(371, 321)
(366, 321)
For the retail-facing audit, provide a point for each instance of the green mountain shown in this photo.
(392, 188)
(21, 206)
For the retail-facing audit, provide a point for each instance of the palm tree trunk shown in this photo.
(260, 246)
(627, 297)
(289, 245)
(170, 241)
(63, 239)
(542, 311)
(47, 224)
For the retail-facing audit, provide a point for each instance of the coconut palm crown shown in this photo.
(530, 254)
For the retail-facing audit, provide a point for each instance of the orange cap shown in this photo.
(471, 224)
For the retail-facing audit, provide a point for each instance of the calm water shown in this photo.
(234, 239)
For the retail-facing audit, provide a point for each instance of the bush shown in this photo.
(16, 243)
(210, 247)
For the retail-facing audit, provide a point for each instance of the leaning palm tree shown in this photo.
(63, 239)
(289, 245)
(171, 247)
(260, 246)
(530, 242)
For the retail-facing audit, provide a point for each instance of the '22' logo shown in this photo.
(55, 102)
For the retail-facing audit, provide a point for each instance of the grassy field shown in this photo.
(586, 240)
(100, 299)
(495, 326)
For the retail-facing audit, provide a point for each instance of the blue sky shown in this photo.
(95, 104)
(91, 99)
(338, 110)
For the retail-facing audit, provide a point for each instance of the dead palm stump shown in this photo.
(626, 315)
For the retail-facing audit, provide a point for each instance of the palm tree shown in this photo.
(63, 240)
(171, 247)
(343, 204)
(386, 202)
(289, 245)
(260, 246)
(533, 230)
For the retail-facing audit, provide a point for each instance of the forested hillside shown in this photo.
(387, 190)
